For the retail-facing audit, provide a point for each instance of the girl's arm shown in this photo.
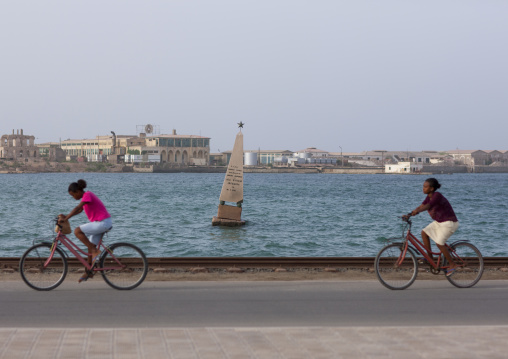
(77, 210)
(420, 208)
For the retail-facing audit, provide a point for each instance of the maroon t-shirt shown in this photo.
(440, 209)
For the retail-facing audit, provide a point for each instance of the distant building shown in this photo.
(183, 149)
(51, 151)
(267, 157)
(404, 167)
(312, 151)
(18, 147)
(469, 157)
(176, 149)
(380, 158)
(217, 159)
(495, 156)
(264, 157)
(100, 145)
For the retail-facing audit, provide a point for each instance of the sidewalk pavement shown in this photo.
(263, 343)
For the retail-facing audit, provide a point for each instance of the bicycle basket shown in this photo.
(66, 228)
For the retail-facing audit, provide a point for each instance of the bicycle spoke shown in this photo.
(396, 268)
(123, 266)
(40, 271)
(470, 262)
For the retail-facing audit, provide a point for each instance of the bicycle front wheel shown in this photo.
(470, 262)
(34, 272)
(123, 266)
(394, 268)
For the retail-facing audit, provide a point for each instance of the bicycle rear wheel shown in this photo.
(470, 262)
(123, 266)
(395, 269)
(33, 272)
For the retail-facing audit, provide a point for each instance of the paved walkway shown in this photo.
(263, 343)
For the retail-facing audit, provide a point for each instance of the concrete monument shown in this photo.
(232, 188)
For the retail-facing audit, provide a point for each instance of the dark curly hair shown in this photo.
(77, 186)
(433, 183)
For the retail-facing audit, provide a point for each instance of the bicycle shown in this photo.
(396, 264)
(44, 266)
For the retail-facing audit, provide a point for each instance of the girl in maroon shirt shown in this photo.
(445, 222)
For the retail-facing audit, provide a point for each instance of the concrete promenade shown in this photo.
(263, 343)
(301, 319)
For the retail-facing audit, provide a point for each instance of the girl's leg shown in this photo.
(426, 243)
(92, 249)
(447, 255)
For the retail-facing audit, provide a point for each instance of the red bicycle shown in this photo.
(396, 264)
(44, 265)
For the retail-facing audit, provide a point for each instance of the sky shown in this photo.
(337, 75)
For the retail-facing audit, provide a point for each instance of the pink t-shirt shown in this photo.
(94, 208)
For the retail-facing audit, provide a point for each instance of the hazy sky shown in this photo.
(361, 75)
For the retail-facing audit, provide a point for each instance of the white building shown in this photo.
(311, 152)
(404, 167)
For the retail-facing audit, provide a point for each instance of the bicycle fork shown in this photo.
(402, 255)
(53, 249)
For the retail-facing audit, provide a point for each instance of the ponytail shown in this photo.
(77, 186)
(433, 183)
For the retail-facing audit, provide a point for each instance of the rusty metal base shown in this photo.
(216, 221)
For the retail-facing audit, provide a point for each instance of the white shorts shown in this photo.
(94, 230)
(440, 232)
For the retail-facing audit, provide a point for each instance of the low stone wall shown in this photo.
(490, 169)
(465, 169)
(279, 170)
(367, 170)
(445, 169)
(143, 169)
(188, 169)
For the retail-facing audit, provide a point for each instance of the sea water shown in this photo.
(289, 215)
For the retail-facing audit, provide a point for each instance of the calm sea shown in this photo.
(288, 214)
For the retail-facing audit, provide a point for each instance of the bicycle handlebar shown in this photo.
(406, 218)
(56, 222)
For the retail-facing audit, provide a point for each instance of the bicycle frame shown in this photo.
(420, 248)
(75, 250)
(417, 245)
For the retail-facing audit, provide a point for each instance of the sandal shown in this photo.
(94, 260)
(449, 272)
(85, 277)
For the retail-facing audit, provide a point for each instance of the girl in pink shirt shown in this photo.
(100, 221)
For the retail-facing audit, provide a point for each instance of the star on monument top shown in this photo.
(240, 124)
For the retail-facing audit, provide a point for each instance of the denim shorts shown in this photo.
(94, 230)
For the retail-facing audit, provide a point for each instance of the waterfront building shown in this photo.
(267, 157)
(180, 149)
(311, 152)
(264, 157)
(176, 149)
(217, 159)
(404, 167)
(18, 147)
(469, 157)
(51, 151)
(495, 156)
(99, 147)
(505, 156)
(376, 158)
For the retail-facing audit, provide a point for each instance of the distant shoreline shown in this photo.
(95, 167)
